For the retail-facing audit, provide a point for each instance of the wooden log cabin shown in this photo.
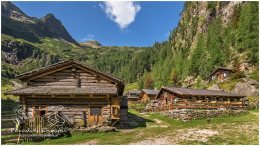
(88, 97)
(133, 96)
(219, 74)
(147, 95)
(186, 98)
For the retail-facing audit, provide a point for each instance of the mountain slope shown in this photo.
(16, 23)
(209, 34)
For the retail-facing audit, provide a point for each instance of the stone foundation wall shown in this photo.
(187, 115)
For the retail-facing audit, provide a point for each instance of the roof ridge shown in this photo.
(70, 61)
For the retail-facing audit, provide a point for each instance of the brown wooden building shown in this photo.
(133, 95)
(187, 98)
(87, 96)
(147, 95)
(220, 74)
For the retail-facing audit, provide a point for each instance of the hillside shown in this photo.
(209, 35)
(91, 44)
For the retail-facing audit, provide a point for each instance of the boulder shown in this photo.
(247, 87)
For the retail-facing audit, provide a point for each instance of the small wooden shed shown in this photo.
(147, 95)
(133, 95)
(220, 74)
(86, 96)
(187, 98)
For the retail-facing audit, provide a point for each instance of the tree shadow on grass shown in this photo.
(135, 121)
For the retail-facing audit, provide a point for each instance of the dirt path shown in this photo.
(91, 142)
(169, 138)
(158, 123)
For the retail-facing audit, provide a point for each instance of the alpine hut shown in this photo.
(133, 96)
(187, 98)
(147, 95)
(86, 96)
(219, 74)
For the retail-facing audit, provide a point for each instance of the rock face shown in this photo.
(15, 52)
(247, 87)
(55, 29)
(30, 28)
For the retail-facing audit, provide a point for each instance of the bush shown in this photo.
(254, 75)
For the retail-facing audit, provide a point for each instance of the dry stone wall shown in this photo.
(188, 115)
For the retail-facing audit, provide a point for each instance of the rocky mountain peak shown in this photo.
(13, 12)
(55, 28)
(49, 17)
(34, 28)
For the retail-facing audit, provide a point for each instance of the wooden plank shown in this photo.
(55, 80)
(50, 72)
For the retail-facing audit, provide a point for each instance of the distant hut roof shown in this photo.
(63, 91)
(150, 92)
(134, 91)
(199, 92)
(219, 68)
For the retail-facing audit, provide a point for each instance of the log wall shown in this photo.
(76, 111)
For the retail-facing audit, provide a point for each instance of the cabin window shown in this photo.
(40, 110)
(235, 100)
(193, 98)
(115, 110)
(220, 99)
(214, 98)
(95, 111)
(228, 100)
(225, 74)
(78, 82)
(175, 100)
(42, 113)
(207, 99)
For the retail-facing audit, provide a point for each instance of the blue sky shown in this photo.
(112, 24)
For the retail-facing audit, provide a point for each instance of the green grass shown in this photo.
(228, 85)
(229, 126)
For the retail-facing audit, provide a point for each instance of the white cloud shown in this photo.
(121, 12)
(87, 38)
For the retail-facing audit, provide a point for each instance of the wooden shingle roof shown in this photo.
(199, 92)
(63, 91)
(26, 76)
(31, 75)
(150, 91)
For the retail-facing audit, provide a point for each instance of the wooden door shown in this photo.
(95, 116)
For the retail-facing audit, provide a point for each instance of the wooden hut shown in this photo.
(187, 98)
(86, 96)
(220, 74)
(133, 96)
(147, 95)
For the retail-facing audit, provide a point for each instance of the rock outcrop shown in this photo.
(247, 87)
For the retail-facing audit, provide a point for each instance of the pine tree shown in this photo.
(247, 33)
